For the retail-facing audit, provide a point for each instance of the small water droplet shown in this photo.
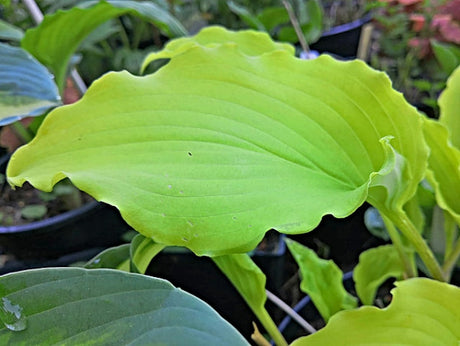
(12, 316)
(169, 186)
(250, 226)
(181, 192)
(184, 239)
(190, 223)
(234, 218)
(163, 214)
(97, 260)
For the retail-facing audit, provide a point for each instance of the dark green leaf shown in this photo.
(75, 306)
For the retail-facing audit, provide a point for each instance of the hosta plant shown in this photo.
(235, 136)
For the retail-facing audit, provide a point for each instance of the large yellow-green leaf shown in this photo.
(248, 41)
(218, 147)
(444, 167)
(322, 281)
(423, 312)
(55, 40)
(71, 306)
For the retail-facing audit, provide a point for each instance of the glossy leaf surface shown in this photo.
(100, 306)
(322, 281)
(375, 266)
(218, 147)
(423, 312)
(52, 43)
(26, 86)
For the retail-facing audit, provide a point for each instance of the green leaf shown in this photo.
(34, 211)
(26, 87)
(375, 266)
(449, 103)
(250, 281)
(142, 251)
(76, 306)
(247, 278)
(218, 147)
(10, 32)
(443, 170)
(246, 16)
(322, 281)
(250, 42)
(423, 312)
(448, 55)
(113, 258)
(272, 17)
(312, 27)
(56, 39)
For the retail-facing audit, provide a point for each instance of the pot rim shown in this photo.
(348, 26)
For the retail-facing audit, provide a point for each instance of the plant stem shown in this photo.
(291, 312)
(21, 131)
(123, 35)
(450, 231)
(406, 226)
(270, 326)
(295, 24)
(396, 240)
(451, 260)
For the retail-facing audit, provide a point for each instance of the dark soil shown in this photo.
(12, 203)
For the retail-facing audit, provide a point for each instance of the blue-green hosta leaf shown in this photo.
(10, 32)
(26, 86)
(423, 312)
(250, 42)
(322, 281)
(55, 40)
(75, 306)
(449, 102)
(218, 147)
(375, 266)
(444, 167)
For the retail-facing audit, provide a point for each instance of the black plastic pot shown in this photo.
(342, 40)
(94, 225)
(202, 278)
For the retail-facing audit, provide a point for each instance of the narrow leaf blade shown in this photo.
(142, 251)
(322, 281)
